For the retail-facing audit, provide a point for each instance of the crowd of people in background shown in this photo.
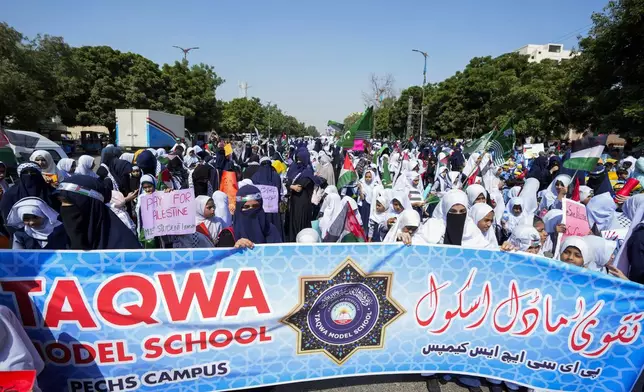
(431, 193)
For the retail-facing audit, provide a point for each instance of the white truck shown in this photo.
(143, 128)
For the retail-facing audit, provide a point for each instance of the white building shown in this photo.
(542, 52)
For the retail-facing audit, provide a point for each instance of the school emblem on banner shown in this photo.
(343, 312)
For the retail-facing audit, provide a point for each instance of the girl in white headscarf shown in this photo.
(86, 166)
(442, 182)
(483, 216)
(476, 194)
(365, 194)
(379, 213)
(526, 239)
(405, 228)
(516, 214)
(206, 221)
(454, 227)
(38, 224)
(552, 226)
(325, 168)
(47, 166)
(332, 210)
(604, 253)
(66, 168)
(354, 207)
(308, 236)
(221, 209)
(551, 197)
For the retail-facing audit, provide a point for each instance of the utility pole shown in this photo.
(270, 110)
(410, 113)
(185, 50)
(243, 86)
(422, 103)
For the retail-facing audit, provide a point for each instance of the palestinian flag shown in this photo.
(585, 154)
(345, 228)
(348, 174)
(284, 140)
(361, 130)
(386, 175)
(501, 145)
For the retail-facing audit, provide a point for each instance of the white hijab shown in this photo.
(379, 195)
(367, 188)
(307, 236)
(406, 218)
(524, 218)
(633, 208)
(473, 192)
(549, 195)
(51, 166)
(34, 206)
(582, 244)
(331, 211)
(221, 208)
(524, 237)
(433, 231)
(84, 166)
(478, 212)
(354, 207)
(214, 225)
(529, 196)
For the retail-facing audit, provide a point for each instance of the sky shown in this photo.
(311, 58)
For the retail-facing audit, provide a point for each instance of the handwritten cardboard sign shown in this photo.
(168, 213)
(574, 218)
(270, 198)
(17, 380)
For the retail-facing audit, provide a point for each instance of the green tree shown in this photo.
(351, 119)
(610, 74)
(191, 93)
(242, 115)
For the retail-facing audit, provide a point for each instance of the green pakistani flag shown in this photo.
(360, 130)
(501, 144)
(479, 144)
(377, 155)
(386, 176)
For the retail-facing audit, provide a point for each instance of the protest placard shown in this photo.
(168, 213)
(270, 198)
(574, 218)
(531, 151)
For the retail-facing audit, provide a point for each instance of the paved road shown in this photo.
(398, 383)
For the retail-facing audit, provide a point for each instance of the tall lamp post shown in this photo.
(185, 50)
(269, 121)
(422, 103)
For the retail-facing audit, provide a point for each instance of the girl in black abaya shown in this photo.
(88, 221)
(300, 182)
(31, 184)
(267, 175)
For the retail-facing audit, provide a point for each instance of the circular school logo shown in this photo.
(344, 312)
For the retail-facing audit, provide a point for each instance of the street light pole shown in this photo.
(422, 103)
(185, 50)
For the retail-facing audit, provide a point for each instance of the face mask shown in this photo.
(75, 227)
(455, 224)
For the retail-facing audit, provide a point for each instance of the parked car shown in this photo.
(24, 143)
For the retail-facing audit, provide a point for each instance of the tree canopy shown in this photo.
(601, 89)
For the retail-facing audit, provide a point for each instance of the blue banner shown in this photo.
(220, 319)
